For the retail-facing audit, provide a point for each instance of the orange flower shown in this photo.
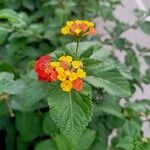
(78, 28)
(77, 85)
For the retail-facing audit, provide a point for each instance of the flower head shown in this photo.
(78, 28)
(66, 70)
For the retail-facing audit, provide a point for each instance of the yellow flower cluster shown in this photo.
(69, 72)
(78, 28)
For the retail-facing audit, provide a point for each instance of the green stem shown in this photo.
(9, 108)
(77, 48)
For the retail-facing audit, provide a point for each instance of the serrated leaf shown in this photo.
(70, 111)
(12, 17)
(112, 81)
(85, 49)
(91, 64)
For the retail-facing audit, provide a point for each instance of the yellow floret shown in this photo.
(81, 73)
(68, 58)
(60, 70)
(89, 24)
(69, 23)
(76, 64)
(55, 64)
(77, 31)
(66, 86)
(65, 30)
(65, 58)
(61, 77)
(73, 76)
(67, 73)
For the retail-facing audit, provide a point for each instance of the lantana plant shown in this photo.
(70, 74)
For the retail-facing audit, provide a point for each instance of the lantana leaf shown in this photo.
(71, 112)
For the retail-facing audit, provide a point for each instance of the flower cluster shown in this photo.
(78, 28)
(68, 71)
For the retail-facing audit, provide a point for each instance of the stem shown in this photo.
(9, 109)
(77, 48)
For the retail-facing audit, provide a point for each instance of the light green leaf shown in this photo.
(30, 95)
(6, 76)
(71, 112)
(12, 17)
(100, 54)
(112, 81)
(8, 85)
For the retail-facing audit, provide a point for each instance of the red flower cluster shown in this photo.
(43, 69)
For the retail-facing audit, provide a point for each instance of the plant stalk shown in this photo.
(77, 48)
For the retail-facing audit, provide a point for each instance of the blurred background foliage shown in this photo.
(31, 28)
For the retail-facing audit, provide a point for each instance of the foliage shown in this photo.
(41, 116)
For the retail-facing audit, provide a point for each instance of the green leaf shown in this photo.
(62, 143)
(86, 140)
(111, 107)
(3, 34)
(106, 12)
(12, 17)
(49, 127)
(126, 143)
(30, 95)
(85, 49)
(71, 112)
(28, 124)
(91, 64)
(147, 59)
(112, 81)
(100, 54)
(3, 109)
(146, 77)
(8, 85)
(145, 27)
(46, 145)
(131, 128)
